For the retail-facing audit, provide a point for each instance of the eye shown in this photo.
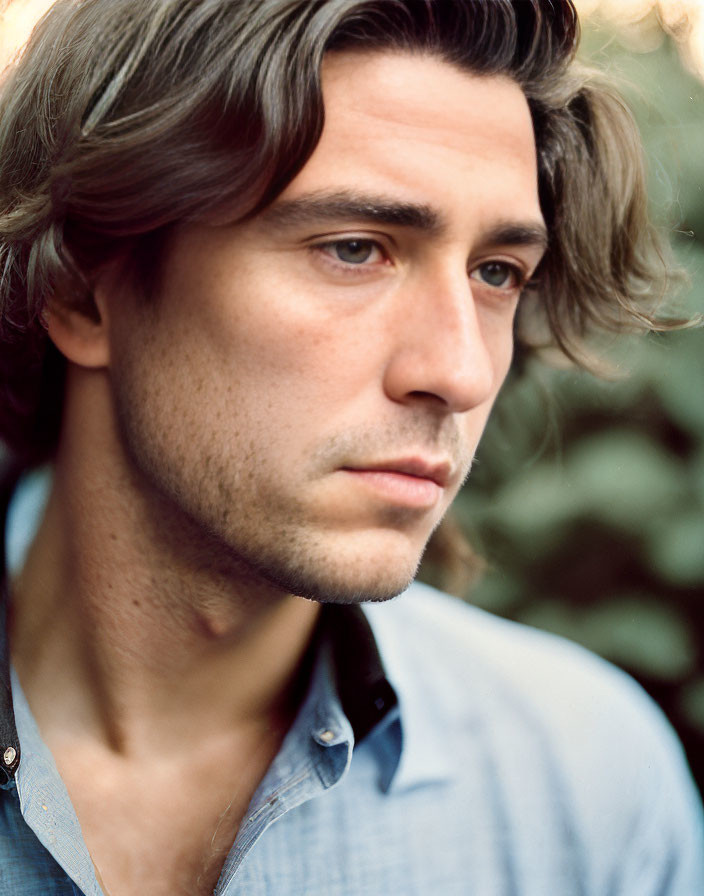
(353, 251)
(499, 274)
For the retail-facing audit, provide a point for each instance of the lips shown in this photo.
(438, 472)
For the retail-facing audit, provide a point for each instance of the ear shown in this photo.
(80, 332)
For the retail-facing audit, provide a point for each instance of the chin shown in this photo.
(344, 579)
(355, 593)
(350, 589)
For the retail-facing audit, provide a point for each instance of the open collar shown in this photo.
(9, 741)
(372, 679)
(373, 676)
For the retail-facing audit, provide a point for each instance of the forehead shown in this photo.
(424, 131)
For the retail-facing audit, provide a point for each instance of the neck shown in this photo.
(125, 617)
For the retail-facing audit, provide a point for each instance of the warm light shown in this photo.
(17, 18)
(683, 19)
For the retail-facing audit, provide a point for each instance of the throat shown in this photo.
(128, 663)
(168, 832)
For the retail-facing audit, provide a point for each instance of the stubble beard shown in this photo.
(215, 508)
(202, 514)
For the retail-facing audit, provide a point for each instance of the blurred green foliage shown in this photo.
(587, 496)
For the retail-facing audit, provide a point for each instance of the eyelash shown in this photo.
(518, 275)
(326, 248)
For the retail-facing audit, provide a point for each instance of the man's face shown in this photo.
(310, 386)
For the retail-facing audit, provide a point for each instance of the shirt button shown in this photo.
(9, 756)
(327, 736)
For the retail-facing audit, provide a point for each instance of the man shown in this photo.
(261, 268)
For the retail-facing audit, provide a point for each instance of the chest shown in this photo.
(160, 846)
(164, 830)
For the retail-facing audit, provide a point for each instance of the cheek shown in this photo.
(287, 363)
(498, 335)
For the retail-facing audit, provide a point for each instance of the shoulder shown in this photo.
(460, 646)
(477, 664)
(555, 712)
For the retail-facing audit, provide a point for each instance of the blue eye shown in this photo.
(353, 251)
(352, 256)
(498, 274)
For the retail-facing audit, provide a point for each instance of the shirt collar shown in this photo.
(360, 679)
(371, 674)
(9, 741)
(425, 709)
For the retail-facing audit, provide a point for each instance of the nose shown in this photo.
(443, 351)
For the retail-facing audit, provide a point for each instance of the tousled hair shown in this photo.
(123, 118)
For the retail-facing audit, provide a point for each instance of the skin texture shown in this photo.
(289, 416)
(280, 364)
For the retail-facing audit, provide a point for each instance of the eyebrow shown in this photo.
(349, 206)
(518, 234)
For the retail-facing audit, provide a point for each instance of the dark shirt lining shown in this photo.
(8, 729)
(364, 691)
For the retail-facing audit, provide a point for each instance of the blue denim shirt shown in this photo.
(502, 762)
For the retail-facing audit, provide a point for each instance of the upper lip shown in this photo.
(437, 471)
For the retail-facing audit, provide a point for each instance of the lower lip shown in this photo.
(399, 488)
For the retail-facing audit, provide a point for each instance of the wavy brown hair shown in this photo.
(123, 118)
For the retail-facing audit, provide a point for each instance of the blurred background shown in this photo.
(587, 497)
(586, 501)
